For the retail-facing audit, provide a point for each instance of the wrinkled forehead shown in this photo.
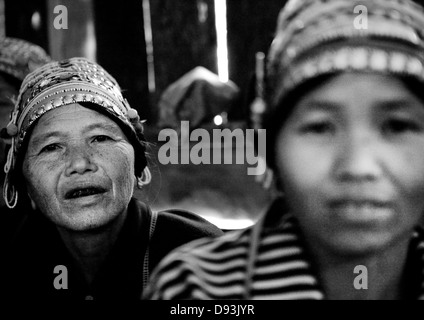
(74, 111)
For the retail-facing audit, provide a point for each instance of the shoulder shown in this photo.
(183, 220)
(171, 221)
(219, 246)
(175, 228)
(190, 267)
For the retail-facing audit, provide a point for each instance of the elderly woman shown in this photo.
(17, 58)
(77, 153)
(346, 141)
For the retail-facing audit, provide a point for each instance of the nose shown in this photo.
(357, 158)
(79, 160)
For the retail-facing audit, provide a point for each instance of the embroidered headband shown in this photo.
(61, 83)
(319, 37)
(19, 57)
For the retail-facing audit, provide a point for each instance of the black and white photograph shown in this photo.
(222, 152)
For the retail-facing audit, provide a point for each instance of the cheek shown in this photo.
(304, 173)
(40, 179)
(301, 166)
(121, 164)
(406, 167)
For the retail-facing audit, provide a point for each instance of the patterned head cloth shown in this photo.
(19, 57)
(59, 84)
(320, 37)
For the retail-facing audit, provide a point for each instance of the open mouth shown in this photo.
(84, 192)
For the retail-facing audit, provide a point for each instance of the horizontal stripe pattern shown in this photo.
(216, 269)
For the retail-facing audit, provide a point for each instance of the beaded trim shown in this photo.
(350, 59)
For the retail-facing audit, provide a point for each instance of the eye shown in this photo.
(318, 128)
(50, 148)
(401, 126)
(102, 138)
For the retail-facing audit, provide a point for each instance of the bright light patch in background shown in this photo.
(221, 35)
(218, 120)
(221, 119)
(229, 224)
(148, 37)
(36, 20)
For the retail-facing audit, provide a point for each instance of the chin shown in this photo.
(360, 245)
(89, 222)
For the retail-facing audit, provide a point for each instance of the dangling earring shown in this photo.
(11, 200)
(145, 178)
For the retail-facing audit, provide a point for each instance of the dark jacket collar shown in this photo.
(36, 246)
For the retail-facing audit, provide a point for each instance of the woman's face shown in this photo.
(79, 168)
(351, 161)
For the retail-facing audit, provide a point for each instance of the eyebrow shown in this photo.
(398, 104)
(53, 134)
(321, 105)
(384, 105)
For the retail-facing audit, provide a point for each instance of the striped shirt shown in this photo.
(220, 268)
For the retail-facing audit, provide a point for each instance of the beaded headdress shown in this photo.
(320, 37)
(61, 83)
(19, 57)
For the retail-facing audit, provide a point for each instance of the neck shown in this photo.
(375, 276)
(90, 249)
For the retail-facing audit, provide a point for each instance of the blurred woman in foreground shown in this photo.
(345, 135)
